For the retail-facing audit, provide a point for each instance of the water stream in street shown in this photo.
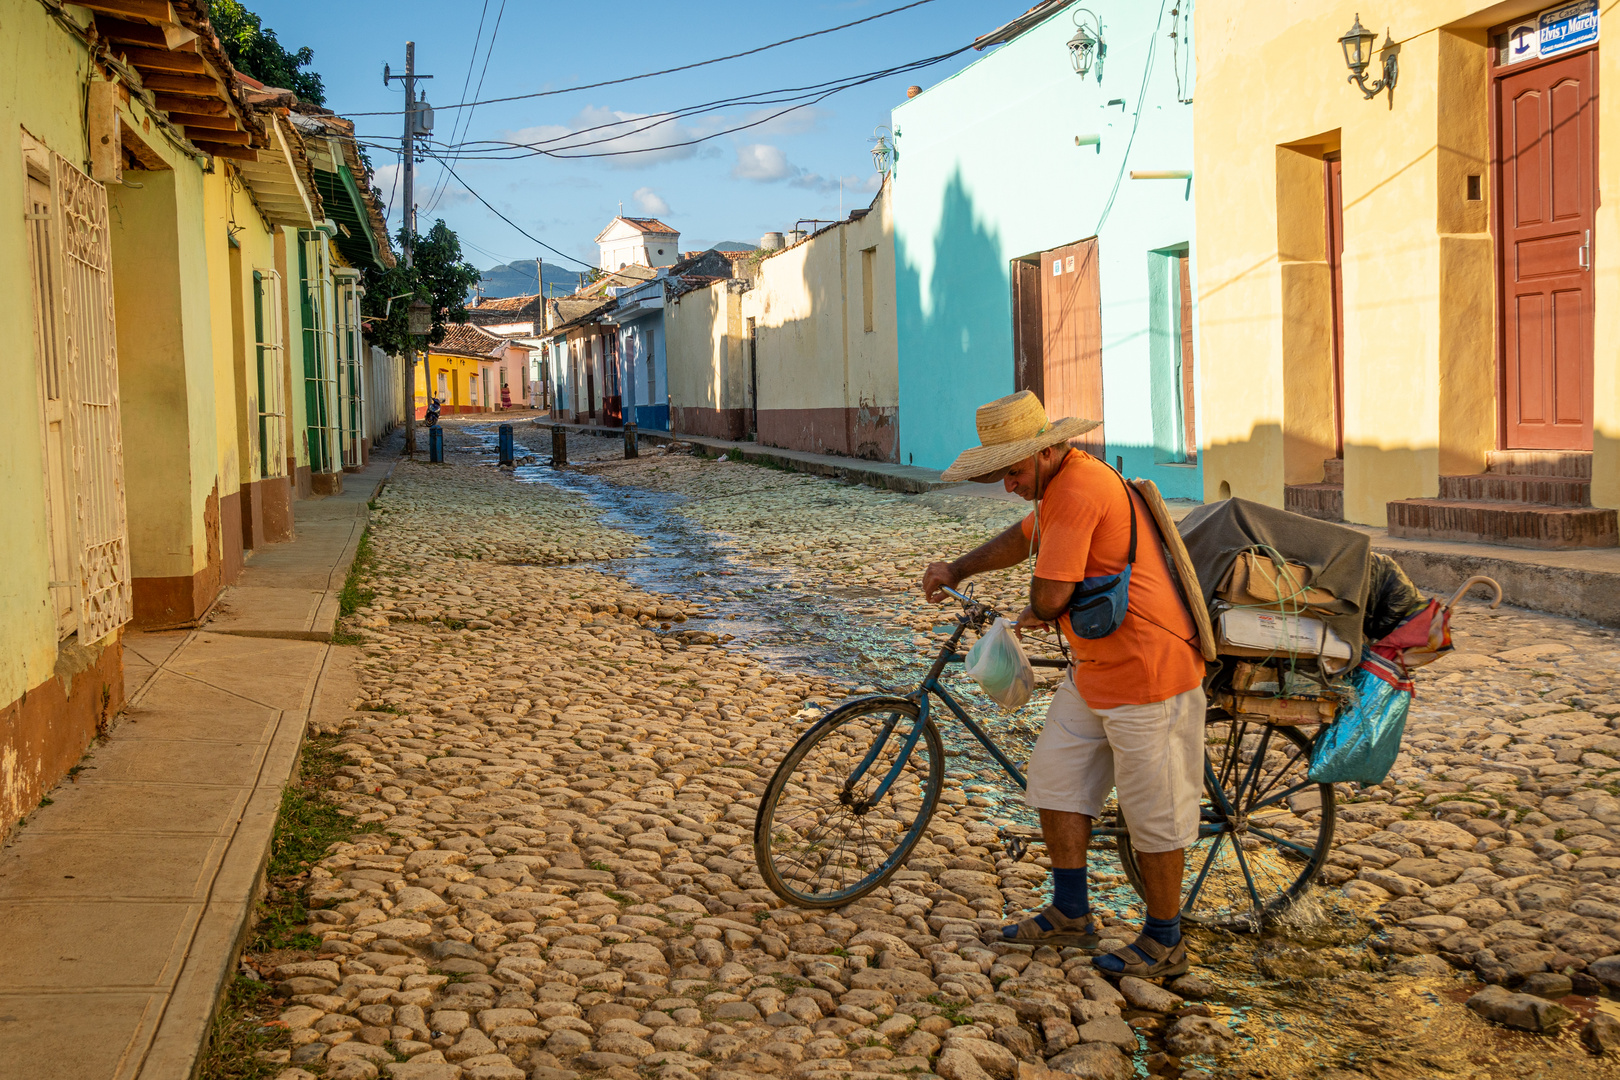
(1301, 995)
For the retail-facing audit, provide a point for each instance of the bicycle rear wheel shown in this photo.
(1265, 829)
(824, 834)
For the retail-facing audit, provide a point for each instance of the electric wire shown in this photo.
(457, 177)
(488, 52)
(1136, 122)
(500, 150)
(466, 82)
(669, 71)
(762, 97)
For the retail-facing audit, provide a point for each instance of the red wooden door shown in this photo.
(1547, 136)
(1333, 180)
(1071, 353)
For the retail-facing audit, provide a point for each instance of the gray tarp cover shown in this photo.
(1215, 534)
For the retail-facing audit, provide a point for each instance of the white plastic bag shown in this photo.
(998, 664)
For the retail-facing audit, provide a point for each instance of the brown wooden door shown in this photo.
(1028, 335)
(1071, 319)
(1547, 187)
(1333, 183)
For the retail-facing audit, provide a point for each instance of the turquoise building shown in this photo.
(1043, 237)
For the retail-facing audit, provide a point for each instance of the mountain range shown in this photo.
(517, 278)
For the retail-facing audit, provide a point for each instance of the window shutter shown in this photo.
(91, 352)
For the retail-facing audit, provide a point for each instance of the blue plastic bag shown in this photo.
(1362, 744)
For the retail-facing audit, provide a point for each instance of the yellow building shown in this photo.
(153, 206)
(1402, 287)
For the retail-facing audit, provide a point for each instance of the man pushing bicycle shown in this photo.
(1129, 716)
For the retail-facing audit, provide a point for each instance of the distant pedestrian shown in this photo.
(506, 396)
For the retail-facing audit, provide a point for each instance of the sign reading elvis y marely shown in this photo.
(1569, 27)
(1553, 32)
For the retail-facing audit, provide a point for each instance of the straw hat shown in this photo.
(1011, 429)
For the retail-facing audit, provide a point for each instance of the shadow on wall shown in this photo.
(955, 349)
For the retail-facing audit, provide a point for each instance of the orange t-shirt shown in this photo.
(1085, 533)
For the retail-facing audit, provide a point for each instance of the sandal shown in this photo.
(1165, 961)
(1082, 932)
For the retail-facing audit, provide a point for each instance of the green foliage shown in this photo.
(240, 1034)
(255, 52)
(439, 275)
(355, 595)
(308, 824)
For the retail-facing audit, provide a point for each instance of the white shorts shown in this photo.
(1153, 754)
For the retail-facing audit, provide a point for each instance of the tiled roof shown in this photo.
(465, 339)
(505, 303)
(649, 225)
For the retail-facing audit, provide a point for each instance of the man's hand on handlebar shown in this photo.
(936, 579)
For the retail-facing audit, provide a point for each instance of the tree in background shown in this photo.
(440, 276)
(255, 52)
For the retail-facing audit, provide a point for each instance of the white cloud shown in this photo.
(649, 202)
(796, 122)
(598, 129)
(763, 162)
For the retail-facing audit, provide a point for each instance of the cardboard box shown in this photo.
(1244, 632)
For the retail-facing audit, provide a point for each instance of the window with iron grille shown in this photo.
(320, 390)
(70, 257)
(272, 364)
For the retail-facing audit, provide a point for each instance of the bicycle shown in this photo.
(1264, 832)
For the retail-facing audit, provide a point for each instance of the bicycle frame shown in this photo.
(1217, 818)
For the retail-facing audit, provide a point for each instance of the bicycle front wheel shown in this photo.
(1265, 829)
(838, 817)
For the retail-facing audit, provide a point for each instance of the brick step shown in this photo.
(1333, 471)
(1567, 491)
(1568, 463)
(1515, 524)
(1325, 501)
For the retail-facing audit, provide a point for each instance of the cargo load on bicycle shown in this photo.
(1312, 627)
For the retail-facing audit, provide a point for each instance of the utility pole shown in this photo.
(408, 243)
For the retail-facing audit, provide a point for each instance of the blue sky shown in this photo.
(733, 187)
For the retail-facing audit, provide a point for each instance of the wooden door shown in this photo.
(1071, 338)
(1028, 334)
(1547, 191)
(1333, 193)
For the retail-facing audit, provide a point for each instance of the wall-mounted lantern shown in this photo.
(1088, 47)
(1357, 44)
(882, 151)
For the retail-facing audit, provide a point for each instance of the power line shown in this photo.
(669, 71)
(509, 221)
(498, 150)
(466, 81)
(1141, 96)
(488, 52)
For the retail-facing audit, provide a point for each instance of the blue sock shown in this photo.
(1165, 931)
(1069, 892)
(1068, 895)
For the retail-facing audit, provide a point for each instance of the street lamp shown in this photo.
(1088, 45)
(1357, 44)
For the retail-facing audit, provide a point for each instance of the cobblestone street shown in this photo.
(575, 686)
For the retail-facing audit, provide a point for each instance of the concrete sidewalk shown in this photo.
(124, 904)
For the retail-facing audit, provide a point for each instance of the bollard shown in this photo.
(559, 446)
(631, 448)
(436, 444)
(504, 440)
